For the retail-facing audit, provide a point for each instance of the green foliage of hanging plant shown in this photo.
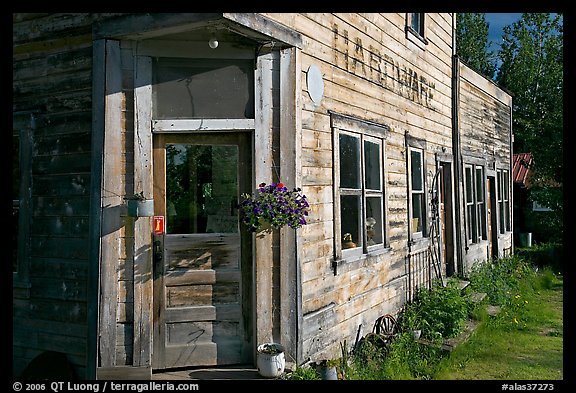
(274, 204)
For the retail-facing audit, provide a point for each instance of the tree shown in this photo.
(472, 45)
(532, 70)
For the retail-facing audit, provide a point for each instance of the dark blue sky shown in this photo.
(496, 23)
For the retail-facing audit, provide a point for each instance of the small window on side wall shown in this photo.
(417, 23)
(415, 29)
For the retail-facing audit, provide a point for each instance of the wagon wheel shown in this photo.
(385, 326)
(373, 343)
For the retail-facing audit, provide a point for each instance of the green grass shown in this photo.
(524, 341)
(500, 348)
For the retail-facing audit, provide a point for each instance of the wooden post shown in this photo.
(108, 146)
(143, 283)
(290, 145)
(263, 173)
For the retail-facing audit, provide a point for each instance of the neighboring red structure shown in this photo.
(521, 169)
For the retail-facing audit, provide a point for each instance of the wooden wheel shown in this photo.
(385, 326)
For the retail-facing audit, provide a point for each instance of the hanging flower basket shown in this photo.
(273, 206)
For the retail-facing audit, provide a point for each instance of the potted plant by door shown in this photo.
(327, 369)
(270, 360)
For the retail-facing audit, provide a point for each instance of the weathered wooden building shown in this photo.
(399, 146)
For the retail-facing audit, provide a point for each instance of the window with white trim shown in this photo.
(359, 216)
(417, 193)
(475, 203)
(503, 198)
(415, 29)
(417, 23)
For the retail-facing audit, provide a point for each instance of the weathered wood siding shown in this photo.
(371, 72)
(485, 128)
(52, 79)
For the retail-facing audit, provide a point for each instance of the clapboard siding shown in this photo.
(485, 133)
(371, 72)
(52, 77)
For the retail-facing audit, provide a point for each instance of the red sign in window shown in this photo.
(158, 225)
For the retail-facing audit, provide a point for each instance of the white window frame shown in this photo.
(476, 218)
(365, 131)
(481, 211)
(424, 213)
(469, 185)
(416, 36)
(503, 197)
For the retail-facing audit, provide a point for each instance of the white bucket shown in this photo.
(271, 365)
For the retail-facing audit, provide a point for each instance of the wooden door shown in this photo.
(446, 220)
(202, 263)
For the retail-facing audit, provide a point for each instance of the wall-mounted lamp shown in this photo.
(213, 43)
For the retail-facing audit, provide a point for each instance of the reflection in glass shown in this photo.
(350, 213)
(416, 162)
(203, 88)
(373, 221)
(372, 165)
(349, 161)
(417, 216)
(201, 188)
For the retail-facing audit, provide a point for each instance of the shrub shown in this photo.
(442, 310)
(500, 278)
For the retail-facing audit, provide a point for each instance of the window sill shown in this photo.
(356, 262)
(419, 242)
(415, 38)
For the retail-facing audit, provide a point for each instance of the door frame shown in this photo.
(125, 108)
(447, 217)
(246, 260)
(277, 72)
(492, 216)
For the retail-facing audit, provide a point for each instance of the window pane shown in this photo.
(416, 170)
(417, 209)
(506, 198)
(349, 161)
(374, 220)
(499, 185)
(468, 179)
(416, 22)
(469, 223)
(350, 214)
(482, 220)
(505, 185)
(203, 88)
(479, 185)
(201, 188)
(372, 165)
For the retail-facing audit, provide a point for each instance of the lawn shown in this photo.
(530, 348)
